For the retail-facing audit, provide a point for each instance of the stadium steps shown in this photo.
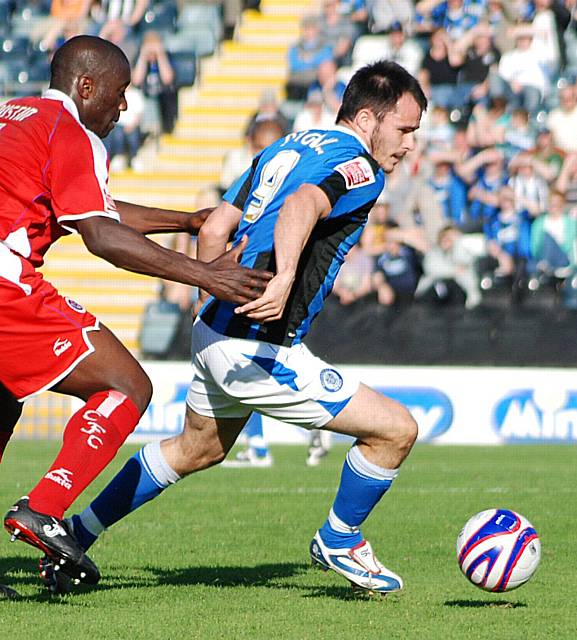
(214, 113)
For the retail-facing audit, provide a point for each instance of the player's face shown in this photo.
(394, 136)
(106, 102)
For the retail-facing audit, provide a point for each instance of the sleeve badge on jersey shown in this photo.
(357, 173)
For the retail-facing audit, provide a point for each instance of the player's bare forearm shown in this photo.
(148, 220)
(297, 218)
(299, 214)
(128, 249)
(214, 235)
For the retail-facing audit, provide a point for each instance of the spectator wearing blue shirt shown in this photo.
(304, 58)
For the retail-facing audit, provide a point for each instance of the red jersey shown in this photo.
(53, 171)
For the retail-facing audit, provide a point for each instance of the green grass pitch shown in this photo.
(224, 554)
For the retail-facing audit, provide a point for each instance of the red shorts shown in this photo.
(43, 336)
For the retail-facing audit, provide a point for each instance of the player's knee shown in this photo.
(408, 430)
(404, 431)
(139, 390)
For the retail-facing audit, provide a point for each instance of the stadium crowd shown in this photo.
(487, 201)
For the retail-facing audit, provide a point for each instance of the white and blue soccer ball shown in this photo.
(498, 550)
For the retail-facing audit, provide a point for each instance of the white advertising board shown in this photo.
(451, 405)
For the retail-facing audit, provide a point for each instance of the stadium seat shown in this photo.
(198, 39)
(200, 17)
(184, 65)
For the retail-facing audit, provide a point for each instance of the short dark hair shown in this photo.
(378, 87)
(84, 54)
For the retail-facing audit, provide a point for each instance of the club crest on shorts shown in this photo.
(74, 305)
(331, 380)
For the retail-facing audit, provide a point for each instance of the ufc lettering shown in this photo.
(93, 440)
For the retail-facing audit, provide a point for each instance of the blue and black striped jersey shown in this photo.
(338, 162)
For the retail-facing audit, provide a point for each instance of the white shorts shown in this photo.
(233, 377)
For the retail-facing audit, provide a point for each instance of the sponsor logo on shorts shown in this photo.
(331, 380)
(61, 345)
(74, 305)
(60, 476)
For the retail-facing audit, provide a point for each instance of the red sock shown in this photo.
(92, 437)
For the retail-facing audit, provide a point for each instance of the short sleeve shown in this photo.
(77, 174)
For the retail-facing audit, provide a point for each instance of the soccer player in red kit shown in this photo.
(53, 181)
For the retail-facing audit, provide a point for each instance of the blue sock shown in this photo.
(143, 477)
(362, 486)
(255, 435)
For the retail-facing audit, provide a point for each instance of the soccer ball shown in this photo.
(498, 550)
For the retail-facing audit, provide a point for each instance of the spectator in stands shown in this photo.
(154, 74)
(553, 241)
(502, 15)
(304, 58)
(356, 12)
(520, 76)
(412, 203)
(519, 135)
(65, 15)
(118, 21)
(508, 233)
(381, 229)
(337, 31)
(124, 141)
(354, 280)
(548, 158)
(329, 86)
(383, 14)
(439, 72)
(477, 56)
(314, 114)
(397, 270)
(487, 125)
(268, 109)
(450, 192)
(450, 261)
(486, 174)
(567, 181)
(562, 120)
(549, 21)
(530, 188)
(402, 50)
(456, 17)
(438, 133)
(237, 161)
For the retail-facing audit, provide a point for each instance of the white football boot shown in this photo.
(358, 565)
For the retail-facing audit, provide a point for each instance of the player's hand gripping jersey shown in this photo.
(53, 171)
(336, 161)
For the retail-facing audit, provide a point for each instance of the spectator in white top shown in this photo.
(402, 50)
(562, 120)
(314, 114)
(520, 76)
(384, 13)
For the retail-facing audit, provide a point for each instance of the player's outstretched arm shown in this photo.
(149, 220)
(128, 249)
(297, 217)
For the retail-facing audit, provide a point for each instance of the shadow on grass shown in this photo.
(485, 604)
(19, 573)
